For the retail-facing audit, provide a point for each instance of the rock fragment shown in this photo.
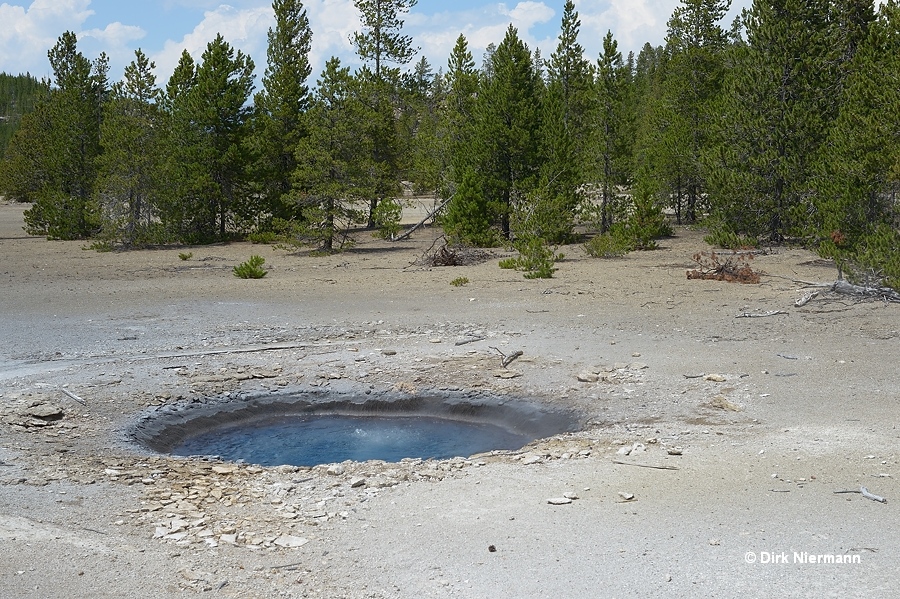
(507, 374)
(290, 541)
(559, 501)
(43, 411)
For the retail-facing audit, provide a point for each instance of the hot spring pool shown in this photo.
(311, 440)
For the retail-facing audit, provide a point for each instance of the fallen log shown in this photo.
(419, 224)
(846, 288)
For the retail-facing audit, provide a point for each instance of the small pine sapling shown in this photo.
(251, 269)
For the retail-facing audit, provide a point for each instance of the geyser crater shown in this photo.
(306, 428)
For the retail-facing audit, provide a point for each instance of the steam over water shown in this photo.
(311, 440)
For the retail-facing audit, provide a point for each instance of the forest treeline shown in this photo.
(18, 95)
(781, 127)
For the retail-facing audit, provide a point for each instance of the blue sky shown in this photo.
(163, 28)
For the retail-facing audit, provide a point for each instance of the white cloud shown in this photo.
(115, 37)
(332, 23)
(632, 22)
(28, 33)
(437, 34)
(244, 29)
(527, 14)
(29, 30)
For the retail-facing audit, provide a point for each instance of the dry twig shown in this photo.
(646, 465)
(75, 397)
(507, 359)
(865, 493)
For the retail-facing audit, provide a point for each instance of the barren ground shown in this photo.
(804, 404)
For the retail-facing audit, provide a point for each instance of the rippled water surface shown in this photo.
(311, 440)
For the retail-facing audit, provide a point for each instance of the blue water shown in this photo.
(311, 440)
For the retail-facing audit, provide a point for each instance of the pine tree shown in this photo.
(853, 215)
(333, 175)
(565, 130)
(182, 175)
(21, 171)
(128, 185)
(646, 98)
(508, 126)
(63, 140)
(421, 123)
(208, 142)
(469, 217)
(379, 44)
(612, 131)
(381, 41)
(773, 119)
(460, 110)
(695, 45)
(18, 96)
(181, 83)
(280, 106)
(848, 29)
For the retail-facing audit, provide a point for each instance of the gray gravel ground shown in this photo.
(805, 404)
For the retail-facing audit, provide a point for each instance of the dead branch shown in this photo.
(733, 267)
(806, 299)
(428, 255)
(237, 350)
(842, 287)
(418, 225)
(872, 496)
(506, 360)
(287, 566)
(846, 288)
(763, 315)
(448, 255)
(865, 493)
(646, 465)
(799, 281)
(73, 396)
(470, 340)
(510, 358)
